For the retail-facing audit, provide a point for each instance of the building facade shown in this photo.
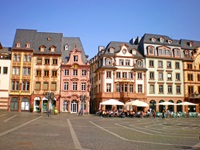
(117, 72)
(191, 69)
(164, 76)
(75, 81)
(5, 60)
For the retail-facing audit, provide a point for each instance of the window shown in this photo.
(18, 57)
(190, 77)
(139, 63)
(46, 73)
(139, 75)
(66, 72)
(84, 72)
(75, 58)
(25, 58)
(139, 88)
(169, 76)
(160, 64)
(15, 70)
(151, 75)
(25, 86)
(54, 73)
(130, 75)
(161, 40)
(108, 74)
(42, 48)
(38, 86)
(14, 57)
(169, 65)
(74, 86)
(118, 75)
(189, 66)
(160, 52)
(18, 44)
(83, 86)
(52, 49)
(15, 85)
(108, 87)
(178, 77)
(26, 71)
(55, 62)
(121, 62)
(27, 45)
(127, 62)
(53, 86)
(108, 61)
(46, 86)
(160, 75)
(39, 61)
(46, 61)
(117, 88)
(152, 89)
(151, 50)
(5, 70)
(38, 73)
(177, 65)
(28, 58)
(161, 89)
(66, 86)
(190, 89)
(124, 74)
(151, 63)
(170, 89)
(178, 89)
(75, 72)
(198, 78)
(131, 88)
(66, 47)
(125, 88)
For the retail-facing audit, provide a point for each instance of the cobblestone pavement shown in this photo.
(36, 131)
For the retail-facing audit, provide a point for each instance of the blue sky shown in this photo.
(97, 22)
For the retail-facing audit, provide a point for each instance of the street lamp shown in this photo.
(83, 97)
(50, 97)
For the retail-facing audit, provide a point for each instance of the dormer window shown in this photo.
(111, 50)
(169, 41)
(139, 63)
(66, 47)
(161, 40)
(27, 45)
(190, 43)
(133, 51)
(52, 48)
(42, 48)
(18, 44)
(153, 39)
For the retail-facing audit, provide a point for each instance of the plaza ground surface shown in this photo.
(36, 131)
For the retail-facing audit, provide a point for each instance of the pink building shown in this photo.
(75, 81)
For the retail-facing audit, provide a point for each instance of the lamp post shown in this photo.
(83, 97)
(50, 97)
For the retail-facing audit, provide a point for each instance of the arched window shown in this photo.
(65, 106)
(108, 61)
(25, 104)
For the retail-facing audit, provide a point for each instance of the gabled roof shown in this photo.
(72, 42)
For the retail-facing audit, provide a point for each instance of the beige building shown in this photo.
(164, 76)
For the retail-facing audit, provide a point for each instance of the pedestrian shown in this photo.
(163, 114)
(154, 114)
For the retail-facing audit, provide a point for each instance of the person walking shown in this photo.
(163, 114)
